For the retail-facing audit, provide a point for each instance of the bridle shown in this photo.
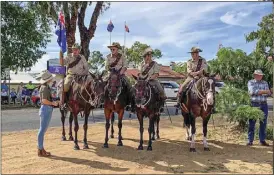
(117, 84)
(202, 96)
(145, 95)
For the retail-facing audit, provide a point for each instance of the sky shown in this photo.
(172, 27)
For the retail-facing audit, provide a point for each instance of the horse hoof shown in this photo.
(149, 148)
(112, 136)
(140, 147)
(188, 138)
(64, 138)
(76, 147)
(206, 149)
(85, 147)
(105, 145)
(158, 137)
(71, 138)
(120, 144)
(153, 138)
(192, 149)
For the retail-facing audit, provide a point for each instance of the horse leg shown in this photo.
(107, 115)
(76, 128)
(151, 123)
(205, 122)
(187, 122)
(158, 121)
(153, 128)
(70, 126)
(112, 122)
(85, 130)
(120, 125)
(63, 118)
(193, 131)
(141, 129)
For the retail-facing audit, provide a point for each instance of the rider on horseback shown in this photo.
(117, 61)
(76, 65)
(196, 68)
(151, 69)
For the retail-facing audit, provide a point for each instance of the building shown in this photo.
(166, 74)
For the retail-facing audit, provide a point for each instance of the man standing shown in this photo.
(196, 67)
(258, 90)
(30, 87)
(76, 65)
(151, 69)
(117, 61)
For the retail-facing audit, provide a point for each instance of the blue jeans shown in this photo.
(45, 113)
(262, 130)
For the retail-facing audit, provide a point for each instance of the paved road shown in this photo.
(24, 119)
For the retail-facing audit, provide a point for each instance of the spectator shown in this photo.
(19, 91)
(54, 85)
(35, 92)
(4, 96)
(24, 94)
(13, 95)
(4, 86)
(258, 90)
(30, 87)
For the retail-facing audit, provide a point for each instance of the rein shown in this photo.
(201, 96)
(147, 102)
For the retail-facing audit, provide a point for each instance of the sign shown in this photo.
(53, 66)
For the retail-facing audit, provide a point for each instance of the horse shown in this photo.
(200, 102)
(147, 105)
(114, 101)
(84, 95)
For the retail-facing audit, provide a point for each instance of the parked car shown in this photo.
(218, 86)
(171, 89)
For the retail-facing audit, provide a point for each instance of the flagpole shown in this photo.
(109, 38)
(125, 40)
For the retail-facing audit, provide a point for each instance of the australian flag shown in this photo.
(110, 26)
(61, 33)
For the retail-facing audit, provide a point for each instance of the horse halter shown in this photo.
(114, 85)
(205, 91)
(143, 91)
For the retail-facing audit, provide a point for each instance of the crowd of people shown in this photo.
(23, 93)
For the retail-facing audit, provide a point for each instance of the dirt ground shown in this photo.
(170, 153)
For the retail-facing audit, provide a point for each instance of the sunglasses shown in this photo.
(113, 49)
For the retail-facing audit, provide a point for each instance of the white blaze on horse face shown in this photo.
(209, 96)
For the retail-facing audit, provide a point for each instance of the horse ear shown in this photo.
(136, 78)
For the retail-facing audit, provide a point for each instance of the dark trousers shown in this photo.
(262, 130)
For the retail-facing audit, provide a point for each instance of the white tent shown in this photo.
(22, 77)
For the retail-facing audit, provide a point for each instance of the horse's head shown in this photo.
(208, 88)
(98, 86)
(141, 90)
(114, 84)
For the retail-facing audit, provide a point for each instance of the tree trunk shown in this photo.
(87, 34)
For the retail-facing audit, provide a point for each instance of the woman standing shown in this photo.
(45, 111)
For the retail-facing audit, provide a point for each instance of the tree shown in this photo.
(264, 35)
(96, 62)
(23, 36)
(51, 10)
(86, 34)
(134, 53)
(180, 67)
(236, 67)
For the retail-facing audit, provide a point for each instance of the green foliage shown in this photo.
(23, 36)
(236, 67)
(246, 112)
(180, 68)
(269, 133)
(134, 53)
(96, 62)
(263, 36)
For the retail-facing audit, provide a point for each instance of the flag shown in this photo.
(110, 26)
(61, 33)
(126, 28)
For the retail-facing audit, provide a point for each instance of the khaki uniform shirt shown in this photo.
(80, 69)
(122, 63)
(45, 92)
(154, 70)
(192, 66)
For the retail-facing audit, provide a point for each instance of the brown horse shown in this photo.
(115, 101)
(84, 95)
(199, 102)
(147, 104)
